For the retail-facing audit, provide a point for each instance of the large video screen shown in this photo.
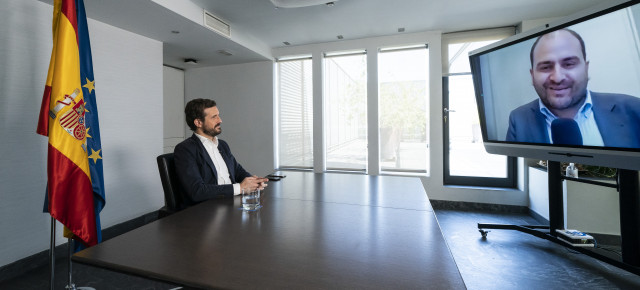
(571, 85)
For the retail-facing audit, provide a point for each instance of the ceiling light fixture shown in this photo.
(225, 52)
(286, 43)
(301, 3)
(401, 29)
(340, 37)
(190, 61)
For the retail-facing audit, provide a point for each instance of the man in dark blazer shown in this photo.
(204, 164)
(617, 117)
(560, 73)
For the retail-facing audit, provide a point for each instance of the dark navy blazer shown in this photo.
(617, 117)
(198, 175)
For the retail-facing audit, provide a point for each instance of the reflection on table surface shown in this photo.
(313, 231)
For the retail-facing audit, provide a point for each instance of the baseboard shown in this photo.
(477, 206)
(536, 216)
(129, 225)
(41, 259)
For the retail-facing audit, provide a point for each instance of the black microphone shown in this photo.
(565, 132)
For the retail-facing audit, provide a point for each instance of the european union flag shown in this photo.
(94, 147)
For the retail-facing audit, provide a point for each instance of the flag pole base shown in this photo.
(71, 285)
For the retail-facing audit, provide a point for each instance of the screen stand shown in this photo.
(629, 190)
(556, 202)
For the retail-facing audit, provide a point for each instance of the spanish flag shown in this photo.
(69, 117)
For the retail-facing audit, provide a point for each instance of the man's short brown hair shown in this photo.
(195, 110)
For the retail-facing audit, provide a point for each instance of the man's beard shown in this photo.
(213, 132)
(573, 96)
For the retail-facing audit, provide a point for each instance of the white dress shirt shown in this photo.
(218, 162)
(585, 119)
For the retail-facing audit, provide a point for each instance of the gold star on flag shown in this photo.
(95, 155)
(88, 136)
(89, 85)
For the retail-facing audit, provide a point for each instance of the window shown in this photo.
(359, 108)
(295, 115)
(345, 99)
(403, 75)
(465, 160)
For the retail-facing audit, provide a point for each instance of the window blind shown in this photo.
(295, 128)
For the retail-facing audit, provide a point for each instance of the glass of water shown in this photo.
(251, 199)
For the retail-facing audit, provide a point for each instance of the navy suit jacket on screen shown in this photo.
(617, 117)
(198, 175)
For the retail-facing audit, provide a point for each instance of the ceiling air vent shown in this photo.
(216, 24)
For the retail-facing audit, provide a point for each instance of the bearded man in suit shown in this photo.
(560, 74)
(204, 164)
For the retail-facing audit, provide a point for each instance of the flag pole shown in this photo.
(52, 255)
(71, 286)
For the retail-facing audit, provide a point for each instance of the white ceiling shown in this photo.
(257, 26)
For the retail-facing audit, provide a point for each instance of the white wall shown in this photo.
(244, 95)
(434, 182)
(591, 208)
(128, 74)
(586, 207)
(173, 120)
(539, 192)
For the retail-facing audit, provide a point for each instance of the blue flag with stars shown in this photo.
(94, 147)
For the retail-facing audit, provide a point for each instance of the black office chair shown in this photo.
(173, 192)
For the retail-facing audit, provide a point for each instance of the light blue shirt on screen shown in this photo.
(585, 119)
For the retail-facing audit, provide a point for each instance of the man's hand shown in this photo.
(254, 182)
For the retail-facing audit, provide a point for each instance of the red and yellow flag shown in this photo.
(62, 119)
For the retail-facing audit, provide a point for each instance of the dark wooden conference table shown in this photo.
(314, 231)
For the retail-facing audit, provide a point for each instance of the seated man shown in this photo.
(204, 164)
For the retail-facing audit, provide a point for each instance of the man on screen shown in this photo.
(560, 73)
